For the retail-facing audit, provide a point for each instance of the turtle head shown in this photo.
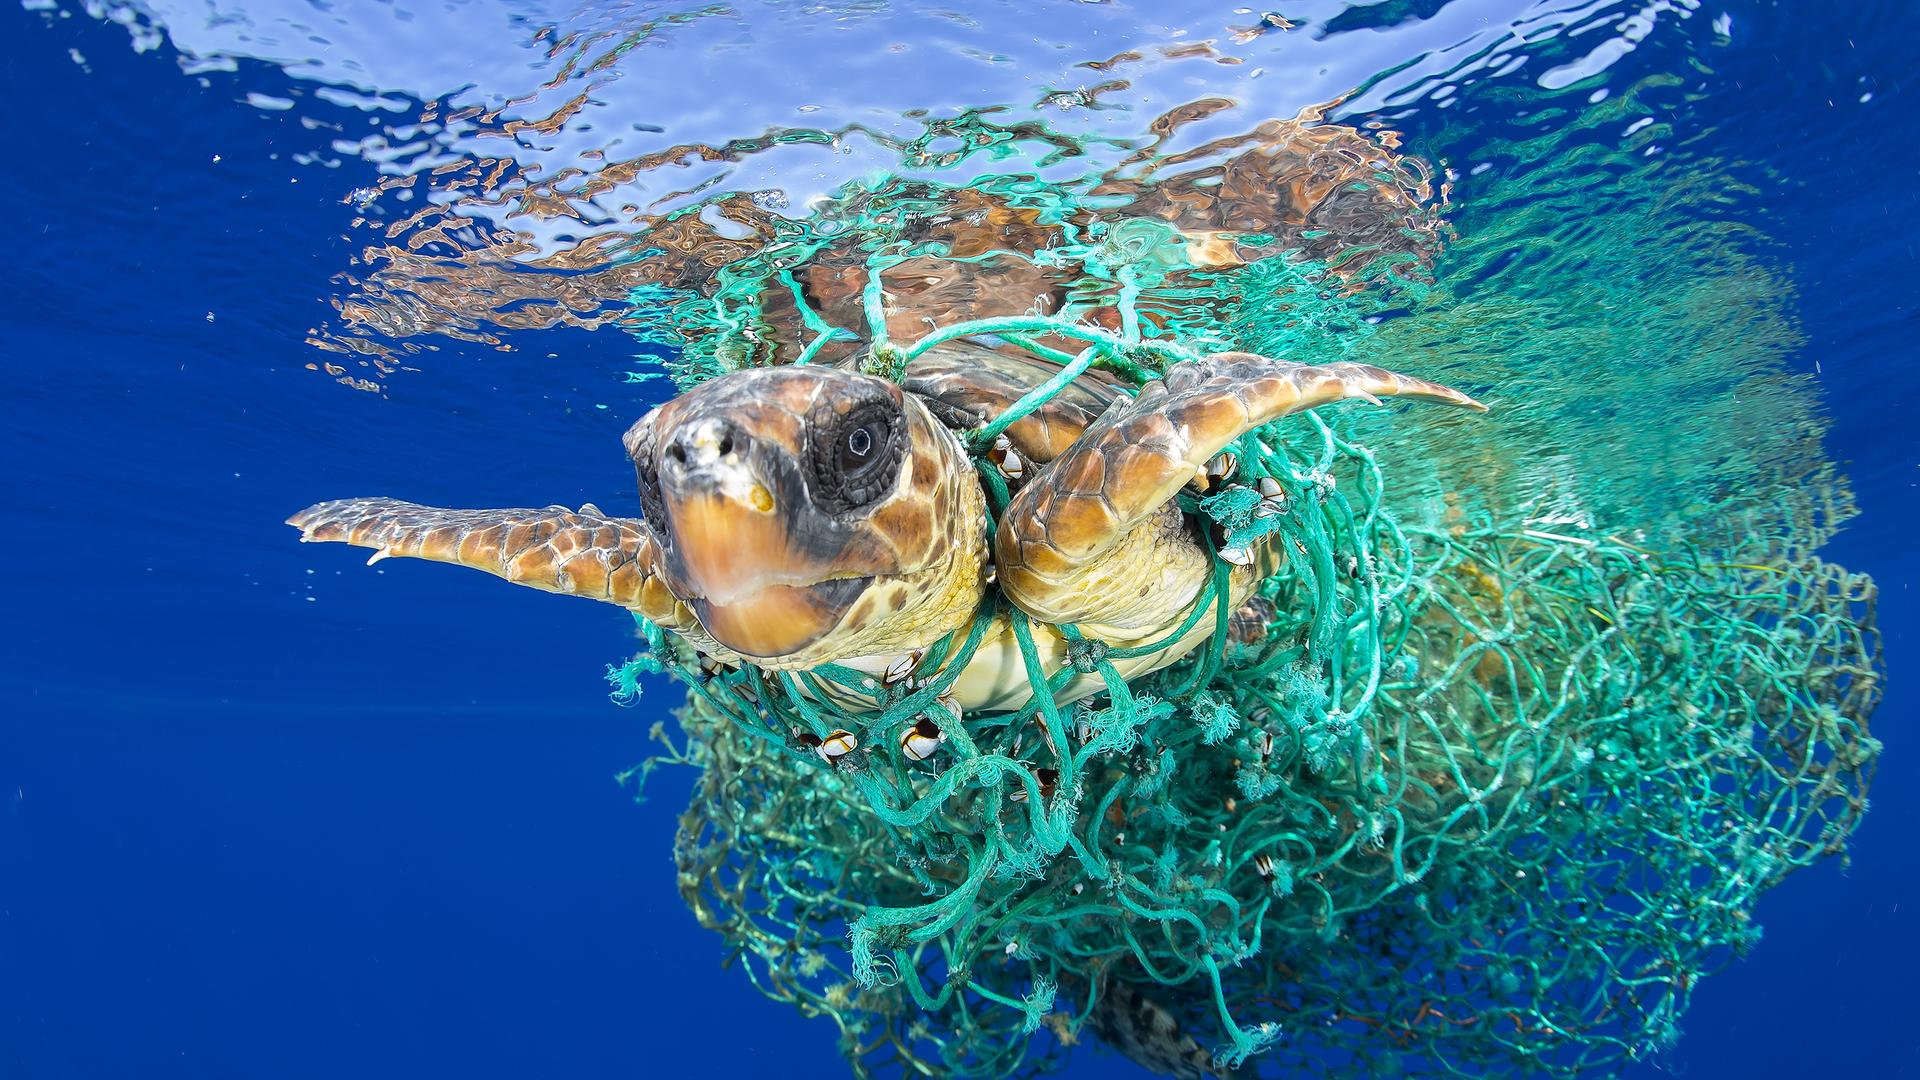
(809, 514)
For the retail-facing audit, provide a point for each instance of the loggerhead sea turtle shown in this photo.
(800, 515)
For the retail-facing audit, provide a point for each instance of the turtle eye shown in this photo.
(854, 464)
(857, 450)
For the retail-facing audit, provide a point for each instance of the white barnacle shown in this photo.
(836, 746)
(1007, 459)
(919, 742)
(1046, 780)
(900, 668)
(1273, 499)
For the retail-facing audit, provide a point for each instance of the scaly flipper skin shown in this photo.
(1086, 507)
(580, 553)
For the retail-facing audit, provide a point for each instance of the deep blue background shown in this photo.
(271, 814)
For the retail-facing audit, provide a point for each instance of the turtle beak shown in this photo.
(734, 556)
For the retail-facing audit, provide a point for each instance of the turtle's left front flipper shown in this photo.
(580, 553)
(1087, 540)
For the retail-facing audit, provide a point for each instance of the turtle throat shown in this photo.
(737, 565)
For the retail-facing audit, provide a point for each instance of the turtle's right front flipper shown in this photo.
(1094, 539)
(580, 553)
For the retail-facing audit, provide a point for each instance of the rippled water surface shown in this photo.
(274, 814)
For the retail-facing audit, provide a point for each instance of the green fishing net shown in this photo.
(1470, 790)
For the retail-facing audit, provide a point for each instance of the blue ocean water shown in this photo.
(273, 814)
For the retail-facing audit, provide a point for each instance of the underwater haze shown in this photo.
(271, 812)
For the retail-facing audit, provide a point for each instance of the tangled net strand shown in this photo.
(1476, 799)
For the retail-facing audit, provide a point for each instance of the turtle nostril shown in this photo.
(704, 444)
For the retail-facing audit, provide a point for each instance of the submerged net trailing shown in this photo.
(1470, 795)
